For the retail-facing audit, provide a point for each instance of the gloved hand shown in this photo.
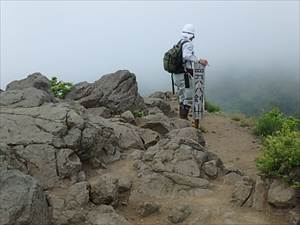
(204, 62)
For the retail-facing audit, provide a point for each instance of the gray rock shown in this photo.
(104, 190)
(149, 137)
(41, 163)
(194, 182)
(109, 218)
(125, 183)
(179, 213)
(29, 97)
(48, 129)
(281, 195)
(241, 193)
(294, 216)
(161, 95)
(22, 200)
(187, 168)
(128, 136)
(128, 117)
(232, 178)
(101, 111)
(78, 195)
(32, 91)
(210, 169)
(157, 122)
(260, 194)
(147, 208)
(68, 163)
(117, 91)
(35, 80)
(188, 133)
(163, 105)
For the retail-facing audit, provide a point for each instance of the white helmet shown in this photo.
(189, 29)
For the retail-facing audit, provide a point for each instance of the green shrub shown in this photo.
(271, 122)
(210, 107)
(138, 114)
(281, 156)
(60, 88)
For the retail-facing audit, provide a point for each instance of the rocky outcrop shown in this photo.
(242, 194)
(174, 166)
(35, 90)
(117, 91)
(104, 190)
(280, 195)
(54, 140)
(161, 104)
(22, 200)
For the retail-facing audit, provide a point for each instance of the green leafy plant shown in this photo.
(60, 88)
(281, 156)
(138, 114)
(271, 122)
(210, 107)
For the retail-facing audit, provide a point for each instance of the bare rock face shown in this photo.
(260, 194)
(163, 105)
(104, 190)
(128, 136)
(280, 195)
(54, 140)
(159, 123)
(173, 167)
(35, 90)
(22, 200)
(242, 193)
(117, 91)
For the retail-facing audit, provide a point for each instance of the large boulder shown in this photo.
(159, 123)
(35, 90)
(128, 136)
(22, 200)
(163, 105)
(35, 80)
(281, 195)
(117, 91)
(173, 167)
(55, 140)
(104, 190)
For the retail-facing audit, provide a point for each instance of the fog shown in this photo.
(83, 40)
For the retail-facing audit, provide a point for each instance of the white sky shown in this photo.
(83, 40)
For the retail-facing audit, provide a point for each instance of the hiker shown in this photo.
(183, 81)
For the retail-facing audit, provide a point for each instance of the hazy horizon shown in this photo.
(81, 41)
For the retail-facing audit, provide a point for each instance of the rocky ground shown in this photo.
(88, 160)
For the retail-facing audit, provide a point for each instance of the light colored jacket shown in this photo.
(188, 54)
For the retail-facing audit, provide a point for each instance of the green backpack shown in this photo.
(173, 62)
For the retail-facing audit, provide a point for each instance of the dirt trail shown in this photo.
(237, 148)
(235, 145)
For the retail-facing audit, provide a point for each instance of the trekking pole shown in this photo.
(173, 89)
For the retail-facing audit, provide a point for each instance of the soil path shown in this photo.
(235, 145)
(237, 148)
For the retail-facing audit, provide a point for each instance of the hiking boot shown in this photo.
(195, 123)
(184, 111)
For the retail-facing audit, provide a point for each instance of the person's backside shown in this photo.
(183, 81)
